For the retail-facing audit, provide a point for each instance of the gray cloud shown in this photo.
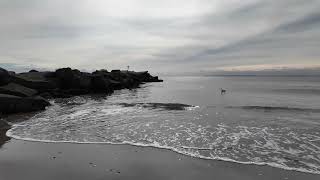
(294, 40)
(159, 36)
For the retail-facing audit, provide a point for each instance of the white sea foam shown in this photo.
(191, 108)
(177, 150)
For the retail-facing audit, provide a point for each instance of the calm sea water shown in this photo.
(260, 120)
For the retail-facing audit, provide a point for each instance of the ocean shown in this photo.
(271, 121)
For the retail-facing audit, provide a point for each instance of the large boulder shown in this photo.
(85, 81)
(117, 75)
(40, 86)
(101, 84)
(4, 77)
(14, 104)
(67, 78)
(115, 70)
(17, 90)
(34, 80)
(33, 75)
(101, 72)
(144, 76)
(72, 79)
(33, 70)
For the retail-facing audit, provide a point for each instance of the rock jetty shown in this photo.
(30, 91)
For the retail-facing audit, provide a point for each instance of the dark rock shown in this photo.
(40, 86)
(144, 76)
(33, 70)
(17, 90)
(67, 78)
(59, 94)
(116, 85)
(101, 72)
(76, 92)
(11, 73)
(50, 75)
(101, 84)
(56, 93)
(72, 79)
(46, 95)
(33, 76)
(34, 80)
(116, 75)
(85, 81)
(130, 83)
(4, 125)
(14, 104)
(4, 77)
(116, 70)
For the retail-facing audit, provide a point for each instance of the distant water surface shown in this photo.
(260, 120)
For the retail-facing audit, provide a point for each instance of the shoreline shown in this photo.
(262, 167)
(67, 160)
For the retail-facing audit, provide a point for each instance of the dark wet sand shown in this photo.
(64, 161)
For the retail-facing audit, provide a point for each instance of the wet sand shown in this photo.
(64, 161)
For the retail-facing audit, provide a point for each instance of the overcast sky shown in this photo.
(160, 35)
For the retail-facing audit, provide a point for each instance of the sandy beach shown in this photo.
(66, 161)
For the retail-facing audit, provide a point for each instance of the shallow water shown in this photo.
(260, 120)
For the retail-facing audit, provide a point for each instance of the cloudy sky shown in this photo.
(160, 36)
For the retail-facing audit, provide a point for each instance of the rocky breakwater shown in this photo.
(30, 91)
